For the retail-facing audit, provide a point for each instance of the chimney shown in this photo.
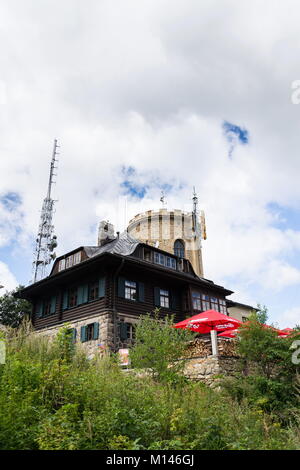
(106, 232)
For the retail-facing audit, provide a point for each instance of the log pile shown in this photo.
(201, 346)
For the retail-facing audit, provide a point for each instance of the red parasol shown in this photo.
(228, 334)
(210, 320)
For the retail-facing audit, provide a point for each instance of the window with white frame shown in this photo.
(69, 261)
(62, 265)
(164, 298)
(167, 261)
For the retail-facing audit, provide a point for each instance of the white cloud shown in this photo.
(290, 318)
(148, 85)
(7, 279)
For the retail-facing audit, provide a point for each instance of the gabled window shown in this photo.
(167, 261)
(62, 265)
(69, 261)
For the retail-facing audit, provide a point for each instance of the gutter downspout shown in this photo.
(114, 309)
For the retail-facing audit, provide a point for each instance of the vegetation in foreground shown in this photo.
(53, 397)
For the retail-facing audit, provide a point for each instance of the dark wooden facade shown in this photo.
(49, 296)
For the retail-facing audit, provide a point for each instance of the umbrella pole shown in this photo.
(214, 342)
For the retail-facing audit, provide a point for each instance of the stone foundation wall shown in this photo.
(105, 341)
(101, 344)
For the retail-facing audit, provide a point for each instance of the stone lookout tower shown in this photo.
(175, 231)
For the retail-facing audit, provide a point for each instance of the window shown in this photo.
(89, 332)
(159, 258)
(69, 261)
(205, 302)
(130, 290)
(223, 307)
(49, 306)
(165, 260)
(170, 262)
(73, 297)
(77, 257)
(196, 296)
(93, 290)
(126, 331)
(164, 298)
(214, 303)
(244, 319)
(179, 248)
(147, 255)
(61, 265)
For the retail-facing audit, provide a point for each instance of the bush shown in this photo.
(159, 348)
(50, 400)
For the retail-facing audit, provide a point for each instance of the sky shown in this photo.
(150, 96)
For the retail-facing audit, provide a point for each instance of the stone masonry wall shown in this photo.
(91, 347)
(205, 369)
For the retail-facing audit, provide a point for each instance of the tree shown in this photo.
(262, 313)
(159, 347)
(262, 346)
(12, 309)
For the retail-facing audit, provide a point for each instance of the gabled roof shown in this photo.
(124, 245)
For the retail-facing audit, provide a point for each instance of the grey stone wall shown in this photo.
(207, 369)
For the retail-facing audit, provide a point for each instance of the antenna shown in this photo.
(199, 229)
(46, 241)
(163, 199)
(195, 211)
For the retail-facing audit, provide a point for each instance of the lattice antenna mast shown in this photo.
(46, 241)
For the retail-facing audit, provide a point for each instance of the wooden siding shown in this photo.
(112, 269)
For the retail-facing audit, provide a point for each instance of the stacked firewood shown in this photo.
(201, 346)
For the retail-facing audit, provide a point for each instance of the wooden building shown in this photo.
(102, 290)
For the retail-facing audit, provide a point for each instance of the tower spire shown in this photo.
(195, 210)
(163, 199)
(46, 240)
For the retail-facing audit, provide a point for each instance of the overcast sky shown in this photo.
(151, 95)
